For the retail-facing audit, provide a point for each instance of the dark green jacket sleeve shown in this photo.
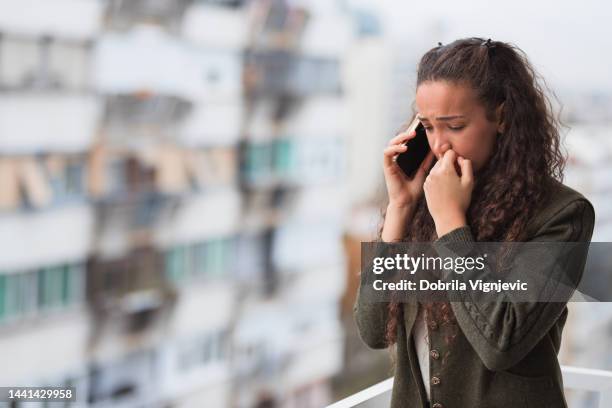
(371, 321)
(503, 333)
(370, 317)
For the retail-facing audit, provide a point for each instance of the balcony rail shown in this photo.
(575, 378)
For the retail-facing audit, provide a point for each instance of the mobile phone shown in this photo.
(418, 148)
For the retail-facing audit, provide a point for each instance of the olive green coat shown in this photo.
(484, 368)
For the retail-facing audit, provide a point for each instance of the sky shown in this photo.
(568, 42)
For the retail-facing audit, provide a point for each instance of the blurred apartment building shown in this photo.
(173, 197)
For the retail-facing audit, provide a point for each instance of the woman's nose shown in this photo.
(440, 146)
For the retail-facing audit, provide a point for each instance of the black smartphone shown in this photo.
(418, 148)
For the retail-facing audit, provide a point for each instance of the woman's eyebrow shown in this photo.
(442, 117)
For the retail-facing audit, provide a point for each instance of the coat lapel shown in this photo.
(411, 309)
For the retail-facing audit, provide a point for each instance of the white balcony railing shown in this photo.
(575, 378)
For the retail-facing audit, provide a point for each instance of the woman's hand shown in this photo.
(447, 193)
(403, 191)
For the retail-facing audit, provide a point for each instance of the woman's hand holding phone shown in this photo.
(403, 191)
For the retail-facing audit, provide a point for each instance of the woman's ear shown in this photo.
(498, 114)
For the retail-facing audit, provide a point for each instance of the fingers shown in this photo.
(422, 171)
(440, 165)
(391, 151)
(402, 137)
(467, 174)
(448, 160)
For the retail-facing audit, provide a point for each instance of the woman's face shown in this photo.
(454, 119)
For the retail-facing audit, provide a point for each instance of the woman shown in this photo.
(494, 174)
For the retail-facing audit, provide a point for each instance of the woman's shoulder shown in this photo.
(563, 207)
(561, 194)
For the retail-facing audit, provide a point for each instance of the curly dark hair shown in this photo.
(513, 182)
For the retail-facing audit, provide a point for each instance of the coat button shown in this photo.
(435, 380)
(433, 325)
(434, 354)
(437, 405)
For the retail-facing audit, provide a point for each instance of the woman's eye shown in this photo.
(427, 129)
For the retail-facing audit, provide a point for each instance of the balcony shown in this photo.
(130, 293)
(574, 378)
(121, 14)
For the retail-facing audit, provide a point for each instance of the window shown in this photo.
(73, 176)
(14, 295)
(282, 156)
(200, 256)
(258, 160)
(68, 64)
(27, 293)
(203, 350)
(60, 286)
(20, 62)
(209, 259)
(216, 256)
(42, 63)
(176, 264)
(67, 179)
(50, 287)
